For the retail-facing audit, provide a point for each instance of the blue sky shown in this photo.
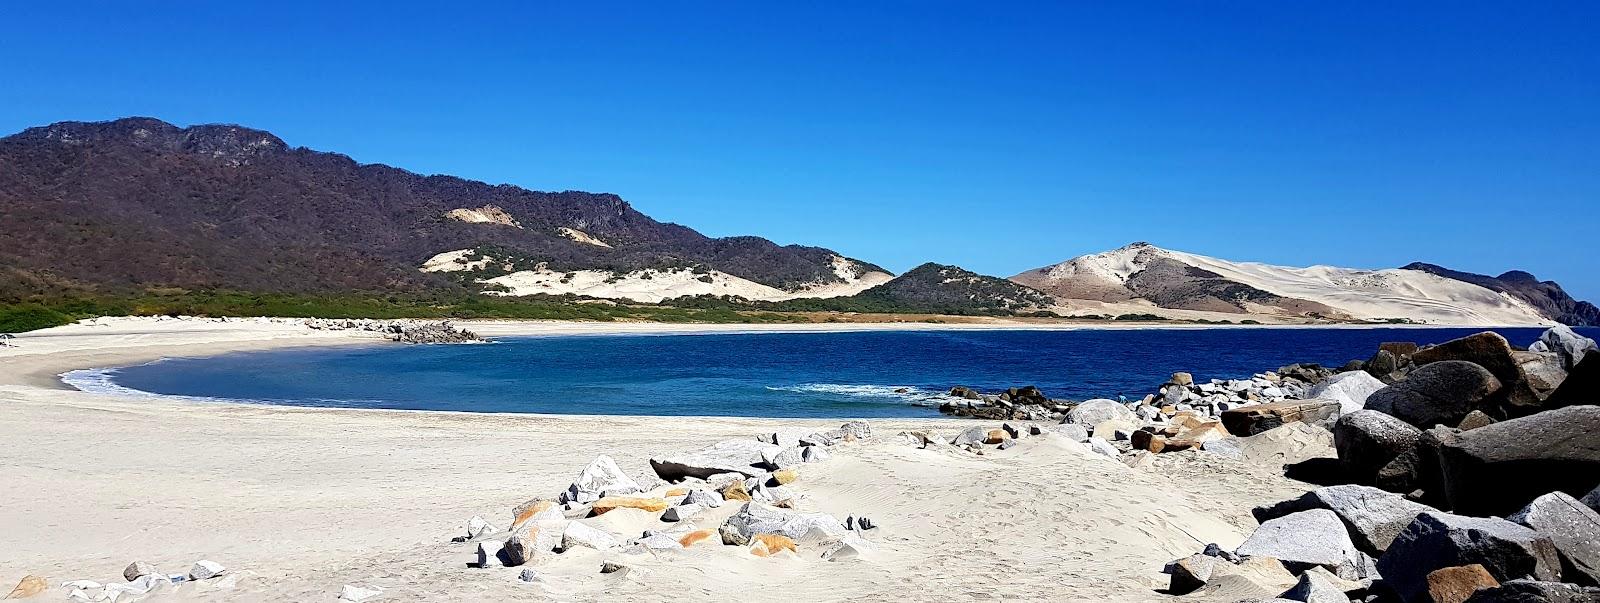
(996, 136)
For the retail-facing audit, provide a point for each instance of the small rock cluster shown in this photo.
(736, 493)
(399, 330)
(140, 580)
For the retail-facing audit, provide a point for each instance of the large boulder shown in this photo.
(1305, 539)
(1254, 419)
(728, 456)
(1491, 351)
(1382, 365)
(1496, 469)
(1536, 591)
(1582, 385)
(756, 518)
(1566, 344)
(1436, 540)
(1373, 517)
(1351, 389)
(1368, 440)
(1543, 370)
(1573, 527)
(1094, 412)
(1441, 393)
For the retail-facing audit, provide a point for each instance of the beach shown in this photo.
(302, 501)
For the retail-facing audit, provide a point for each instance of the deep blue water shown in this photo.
(774, 374)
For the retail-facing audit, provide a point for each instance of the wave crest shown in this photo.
(905, 393)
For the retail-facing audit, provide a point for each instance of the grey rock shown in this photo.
(1566, 344)
(844, 549)
(1373, 517)
(205, 570)
(770, 494)
(776, 457)
(1006, 444)
(1543, 370)
(971, 436)
(1104, 448)
(581, 534)
(1351, 390)
(728, 456)
(137, 569)
(1572, 526)
(1440, 393)
(813, 454)
(1535, 591)
(757, 518)
(489, 553)
(858, 429)
(704, 498)
(1367, 440)
(612, 567)
(1499, 468)
(528, 575)
(1073, 431)
(478, 527)
(1437, 540)
(1094, 412)
(1191, 573)
(600, 476)
(656, 542)
(1592, 499)
(1304, 539)
(1317, 586)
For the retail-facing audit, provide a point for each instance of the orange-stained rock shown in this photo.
(653, 505)
(785, 476)
(995, 436)
(767, 545)
(1144, 440)
(32, 585)
(527, 510)
(677, 492)
(735, 491)
(1197, 434)
(1456, 584)
(695, 536)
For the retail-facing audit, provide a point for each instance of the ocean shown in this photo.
(838, 375)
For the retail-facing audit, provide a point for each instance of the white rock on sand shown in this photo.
(337, 497)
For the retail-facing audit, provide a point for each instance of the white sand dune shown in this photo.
(303, 501)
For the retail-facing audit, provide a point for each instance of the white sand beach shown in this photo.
(300, 502)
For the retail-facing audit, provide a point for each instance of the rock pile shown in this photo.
(1473, 480)
(739, 493)
(402, 331)
(141, 580)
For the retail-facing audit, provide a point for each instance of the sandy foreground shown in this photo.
(301, 502)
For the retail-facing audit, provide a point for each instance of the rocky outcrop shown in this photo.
(1439, 540)
(1499, 468)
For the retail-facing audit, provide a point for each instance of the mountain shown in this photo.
(1143, 275)
(138, 203)
(1552, 302)
(942, 289)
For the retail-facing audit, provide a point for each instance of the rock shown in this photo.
(1543, 370)
(1592, 499)
(530, 541)
(1252, 420)
(1497, 469)
(1145, 440)
(767, 545)
(1350, 389)
(844, 549)
(680, 512)
(813, 454)
(1095, 412)
(771, 494)
(1474, 420)
(1492, 352)
(602, 475)
(785, 476)
(735, 491)
(728, 456)
(358, 594)
(705, 498)
(612, 567)
(1181, 378)
(29, 586)
(1441, 393)
(1534, 591)
(477, 527)
(1191, 573)
(538, 509)
(1197, 434)
(1104, 448)
(859, 430)
(1566, 344)
(656, 541)
(136, 569)
(1457, 584)
(580, 534)
(1318, 585)
(1072, 431)
(756, 518)
(607, 504)
(489, 552)
(1436, 540)
(1573, 527)
(1582, 385)
(205, 570)
(780, 457)
(695, 536)
(1373, 517)
(528, 575)
(971, 436)
(1304, 539)
(1382, 364)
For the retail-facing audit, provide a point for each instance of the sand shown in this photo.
(303, 501)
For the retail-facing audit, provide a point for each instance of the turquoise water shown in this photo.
(858, 374)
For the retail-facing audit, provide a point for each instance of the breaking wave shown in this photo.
(905, 393)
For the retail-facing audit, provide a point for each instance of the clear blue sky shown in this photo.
(999, 137)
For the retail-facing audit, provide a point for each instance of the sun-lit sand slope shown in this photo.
(304, 501)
